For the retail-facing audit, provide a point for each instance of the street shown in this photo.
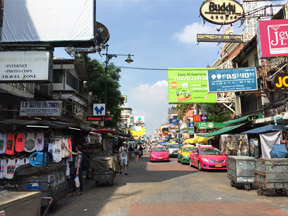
(170, 188)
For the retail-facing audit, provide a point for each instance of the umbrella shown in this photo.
(265, 129)
(203, 139)
(191, 140)
(104, 130)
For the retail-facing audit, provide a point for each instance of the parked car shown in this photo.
(159, 153)
(208, 157)
(173, 149)
(184, 153)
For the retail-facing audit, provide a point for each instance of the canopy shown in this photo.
(203, 139)
(238, 120)
(265, 129)
(104, 130)
(221, 131)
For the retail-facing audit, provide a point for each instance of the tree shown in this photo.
(96, 85)
(217, 112)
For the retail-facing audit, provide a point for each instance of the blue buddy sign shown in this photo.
(227, 80)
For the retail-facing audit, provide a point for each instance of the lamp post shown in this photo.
(108, 58)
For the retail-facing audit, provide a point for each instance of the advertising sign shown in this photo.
(25, 66)
(189, 85)
(49, 21)
(173, 121)
(100, 118)
(227, 80)
(272, 38)
(219, 38)
(99, 109)
(191, 125)
(209, 125)
(139, 120)
(221, 12)
(40, 108)
(280, 82)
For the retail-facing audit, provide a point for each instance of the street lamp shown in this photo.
(108, 58)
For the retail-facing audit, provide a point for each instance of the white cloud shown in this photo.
(150, 101)
(189, 33)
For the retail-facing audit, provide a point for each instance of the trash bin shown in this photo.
(240, 169)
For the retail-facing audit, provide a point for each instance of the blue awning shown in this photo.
(265, 129)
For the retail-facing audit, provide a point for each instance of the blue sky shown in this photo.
(160, 34)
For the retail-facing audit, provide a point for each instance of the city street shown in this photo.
(170, 188)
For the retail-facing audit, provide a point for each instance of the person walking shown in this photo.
(123, 157)
(136, 153)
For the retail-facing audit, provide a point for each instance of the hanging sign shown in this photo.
(221, 12)
(280, 81)
(219, 38)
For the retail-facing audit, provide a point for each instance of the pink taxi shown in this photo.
(159, 153)
(208, 157)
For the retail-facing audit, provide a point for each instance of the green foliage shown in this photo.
(96, 85)
(217, 112)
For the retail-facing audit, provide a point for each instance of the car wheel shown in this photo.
(199, 166)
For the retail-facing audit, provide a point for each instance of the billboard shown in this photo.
(219, 38)
(227, 80)
(40, 108)
(189, 85)
(25, 66)
(48, 21)
(272, 38)
(139, 120)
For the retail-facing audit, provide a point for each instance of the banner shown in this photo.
(209, 125)
(40, 108)
(227, 80)
(189, 85)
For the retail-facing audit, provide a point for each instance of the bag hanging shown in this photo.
(77, 181)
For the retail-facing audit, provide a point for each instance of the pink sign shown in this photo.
(273, 38)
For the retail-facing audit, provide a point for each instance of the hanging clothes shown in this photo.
(40, 141)
(65, 152)
(67, 169)
(20, 142)
(11, 167)
(30, 142)
(268, 140)
(20, 162)
(57, 151)
(3, 140)
(10, 144)
(3, 167)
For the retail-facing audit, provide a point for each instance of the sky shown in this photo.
(161, 34)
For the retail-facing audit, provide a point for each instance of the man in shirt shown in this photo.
(123, 157)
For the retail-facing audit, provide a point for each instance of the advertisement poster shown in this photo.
(227, 80)
(189, 85)
(272, 38)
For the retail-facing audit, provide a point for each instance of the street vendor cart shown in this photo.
(271, 174)
(240, 169)
(104, 169)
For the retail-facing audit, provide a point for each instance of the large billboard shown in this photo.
(48, 21)
(189, 85)
(272, 38)
(227, 80)
(26, 66)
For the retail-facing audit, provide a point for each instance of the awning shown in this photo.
(265, 129)
(234, 121)
(221, 131)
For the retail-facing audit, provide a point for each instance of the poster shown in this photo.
(189, 85)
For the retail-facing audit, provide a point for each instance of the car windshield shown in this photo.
(159, 150)
(173, 146)
(187, 149)
(210, 151)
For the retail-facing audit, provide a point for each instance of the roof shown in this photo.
(222, 130)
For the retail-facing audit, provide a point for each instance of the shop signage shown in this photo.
(272, 38)
(189, 85)
(173, 121)
(219, 38)
(209, 125)
(99, 109)
(25, 66)
(99, 118)
(221, 12)
(280, 81)
(227, 80)
(191, 125)
(139, 119)
(197, 118)
(204, 118)
(40, 108)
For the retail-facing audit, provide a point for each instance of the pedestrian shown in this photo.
(85, 164)
(123, 157)
(131, 150)
(136, 153)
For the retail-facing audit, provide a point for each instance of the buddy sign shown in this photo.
(221, 12)
(280, 82)
(273, 38)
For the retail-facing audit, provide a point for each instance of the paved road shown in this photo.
(170, 188)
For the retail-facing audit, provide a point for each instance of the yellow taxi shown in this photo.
(184, 154)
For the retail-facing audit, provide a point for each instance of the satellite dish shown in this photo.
(102, 34)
